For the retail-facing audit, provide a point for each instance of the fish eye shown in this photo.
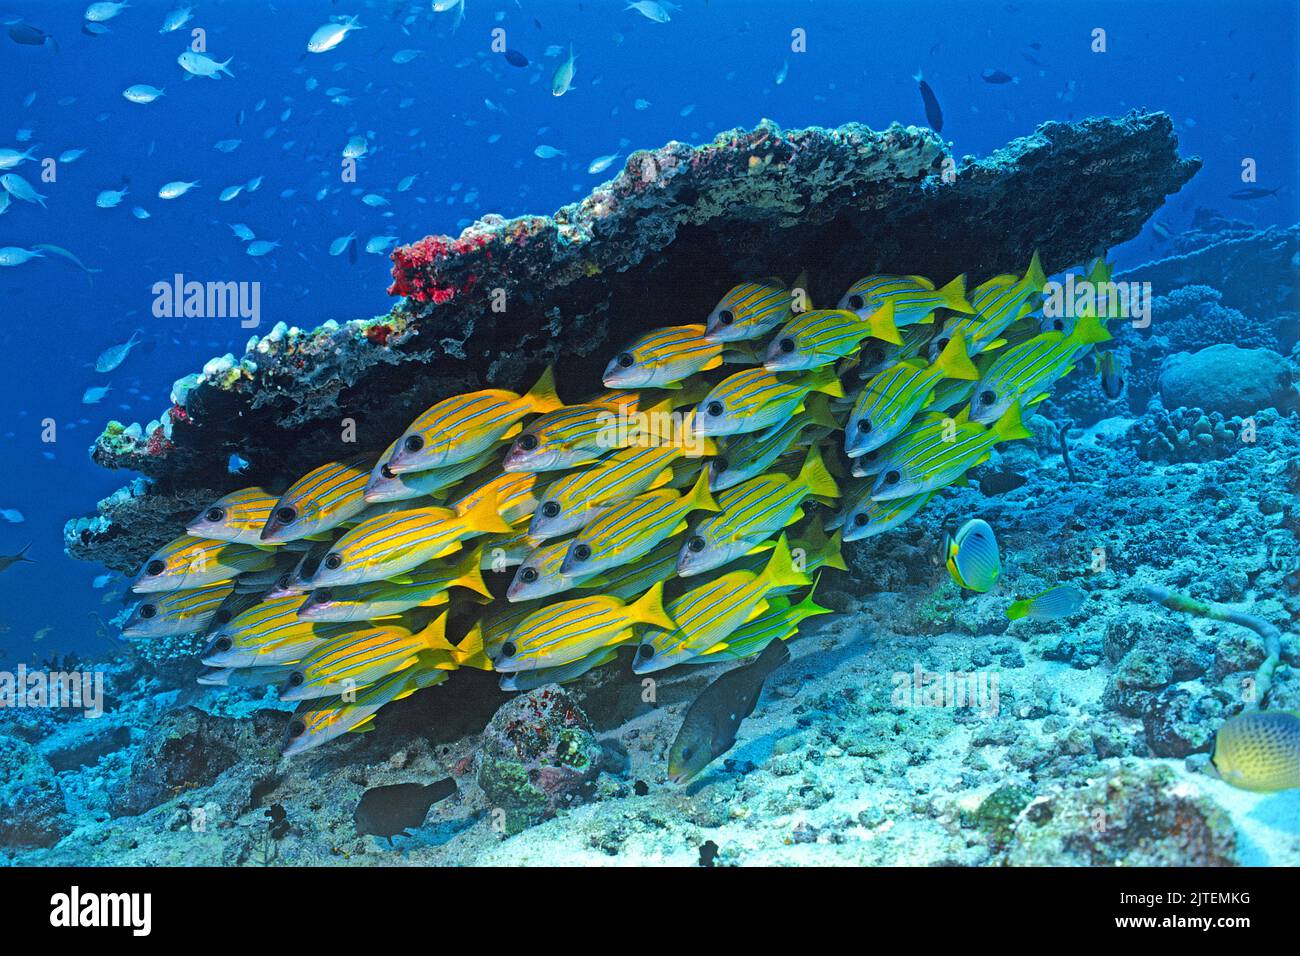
(215, 514)
(508, 649)
(714, 408)
(296, 679)
(297, 729)
(333, 562)
(786, 345)
(625, 359)
(528, 442)
(551, 509)
(582, 552)
(857, 302)
(861, 518)
(891, 477)
(864, 425)
(645, 651)
(726, 317)
(720, 465)
(987, 397)
(148, 610)
(286, 515)
(413, 443)
(224, 644)
(696, 543)
(528, 575)
(154, 567)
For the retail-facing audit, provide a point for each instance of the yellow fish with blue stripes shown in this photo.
(1025, 373)
(779, 622)
(707, 614)
(319, 721)
(570, 630)
(270, 633)
(625, 532)
(384, 485)
(568, 503)
(360, 658)
(938, 452)
(426, 586)
(576, 434)
(751, 310)
(177, 612)
(914, 298)
(318, 502)
(662, 358)
(239, 517)
(465, 426)
(190, 562)
(999, 303)
(751, 511)
(890, 400)
(756, 399)
(824, 336)
(391, 544)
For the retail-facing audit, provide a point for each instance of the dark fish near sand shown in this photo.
(392, 810)
(710, 725)
(933, 114)
(6, 560)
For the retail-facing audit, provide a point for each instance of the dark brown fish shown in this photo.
(6, 560)
(933, 114)
(394, 809)
(711, 723)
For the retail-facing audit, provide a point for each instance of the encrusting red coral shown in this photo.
(415, 267)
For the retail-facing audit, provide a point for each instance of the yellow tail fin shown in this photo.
(1035, 278)
(808, 607)
(954, 295)
(434, 636)
(649, 609)
(1017, 610)
(699, 498)
(483, 516)
(818, 408)
(825, 380)
(1010, 426)
(954, 361)
(830, 554)
(814, 477)
(1088, 330)
(542, 396)
(471, 653)
(470, 573)
(1100, 271)
(881, 324)
(781, 570)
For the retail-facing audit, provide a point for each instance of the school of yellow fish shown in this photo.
(684, 513)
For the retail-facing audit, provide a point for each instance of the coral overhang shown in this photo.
(664, 238)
